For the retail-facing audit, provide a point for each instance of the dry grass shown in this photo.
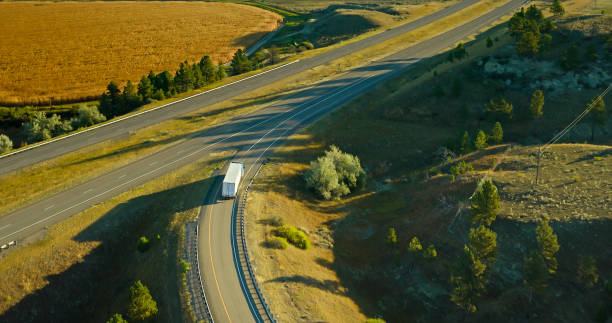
(38, 181)
(106, 234)
(69, 51)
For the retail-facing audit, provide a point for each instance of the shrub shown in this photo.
(375, 321)
(461, 168)
(5, 143)
(117, 318)
(143, 244)
(293, 236)
(42, 128)
(391, 237)
(184, 266)
(489, 42)
(277, 243)
(307, 44)
(430, 252)
(88, 116)
(415, 245)
(275, 221)
(336, 174)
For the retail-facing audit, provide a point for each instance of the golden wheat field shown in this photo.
(69, 51)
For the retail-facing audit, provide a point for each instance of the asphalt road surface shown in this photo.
(117, 129)
(253, 135)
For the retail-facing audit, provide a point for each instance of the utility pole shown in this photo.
(539, 154)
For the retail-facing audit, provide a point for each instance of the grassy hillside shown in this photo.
(402, 132)
(69, 51)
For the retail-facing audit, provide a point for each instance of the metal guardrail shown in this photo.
(251, 276)
(199, 303)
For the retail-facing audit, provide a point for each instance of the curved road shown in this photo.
(115, 128)
(253, 136)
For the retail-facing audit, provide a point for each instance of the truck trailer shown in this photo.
(232, 180)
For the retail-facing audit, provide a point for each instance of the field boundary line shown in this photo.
(143, 112)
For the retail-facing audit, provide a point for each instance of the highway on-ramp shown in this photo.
(253, 136)
(119, 127)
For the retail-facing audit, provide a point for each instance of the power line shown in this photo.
(569, 127)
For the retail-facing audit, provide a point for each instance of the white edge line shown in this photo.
(143, 112)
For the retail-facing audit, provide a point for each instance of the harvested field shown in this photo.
(69, 51)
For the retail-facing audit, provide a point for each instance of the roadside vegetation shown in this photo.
(451, 225)
(137, 236)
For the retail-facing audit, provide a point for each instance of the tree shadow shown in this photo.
(94, 288)
(327, 285)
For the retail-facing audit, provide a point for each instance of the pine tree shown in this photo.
(485, 202)
(528, 44)
(145, 88)
(184, 79)
(391, 237)
(483, 241)
(198, 79)
(536, 104)
(599, 117)
(557, 9)
(208, 69)
(497, 133)
(430, 252)
(467, 281)
(533, 13)
(465, 145)
(240, 63)
(587, 271)
(481, 140)
(129, 97)
(221, 74)
(415, 245)
(548, 244)
(110, 102)
(165, 82)
(535, 272)
(142, 306)
(489, 42)
(499, 109)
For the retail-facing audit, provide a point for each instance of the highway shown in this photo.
(116, 129)
(253, 136)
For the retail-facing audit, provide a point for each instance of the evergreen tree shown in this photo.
(142, 306)
(481, 140)
(165, 82)
(391, 237)
(571, 58)
(557, 9)
(548, 244)
(110, 102)
(483, 242)
(221, 74)
(145, 88)
(240, 63)
(599, 117)
(208, 69)
(464, 144)
(184, 79)
(415, 245)
(536, 104)
(489, 42)
(499, 109)
(485, 202)
(587, 271)
(129, 98)
(529, 43)
(497, 133)
(535, 272)
(467, 281)
(533, 13)
(199, 80)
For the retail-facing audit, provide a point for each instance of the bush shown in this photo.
(275, 221)
(143, 244)
(293, 236)
(336, 174)
(42, 128)
(430, 252)
(5, 143)
(277, 243)
(117, 318)
(461, 168)
(415, 245)
(88, 116)
(308, 45)
(375, 321)
(184, 266)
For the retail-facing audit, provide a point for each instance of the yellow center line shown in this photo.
(211, 257)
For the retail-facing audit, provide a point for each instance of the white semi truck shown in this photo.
(232, 180)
